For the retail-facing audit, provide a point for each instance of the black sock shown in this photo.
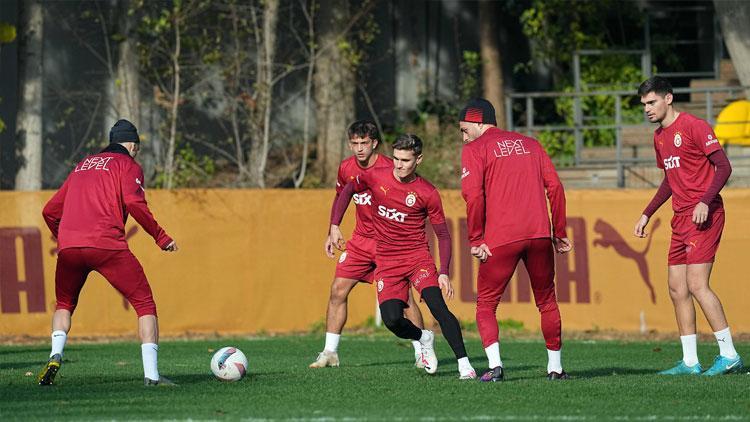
(392, 312)
(448, 322)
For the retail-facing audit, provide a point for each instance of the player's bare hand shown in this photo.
(700, 213)
(562, 244)
(640, 227)
(329, 247)
(481, 252)
(336, 238)
(446, 286)
(172, 247)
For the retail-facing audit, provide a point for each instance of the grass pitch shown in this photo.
(377, 381)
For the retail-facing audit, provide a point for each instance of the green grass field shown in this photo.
(612, 380)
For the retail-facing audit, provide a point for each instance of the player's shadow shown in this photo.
(611, 372)
(267, 378)
(382, 363)
(25, 351)
(32, 366)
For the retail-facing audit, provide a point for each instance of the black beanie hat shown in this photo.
(123, 131)
(478, 110)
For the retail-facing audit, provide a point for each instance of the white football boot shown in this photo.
(429, 359)
(326, 358)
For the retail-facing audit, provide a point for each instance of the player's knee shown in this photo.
(340, 291)
(679, 292)
(548, 306)
(698, 288)
(392, 313)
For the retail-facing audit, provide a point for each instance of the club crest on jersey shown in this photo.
(380, 285)
(411, 199)
(342, 258)
(677, 139)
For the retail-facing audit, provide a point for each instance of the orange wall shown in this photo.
(253, 260)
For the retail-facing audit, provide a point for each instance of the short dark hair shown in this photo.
(655, 84)
(408, 142)
(364, 129)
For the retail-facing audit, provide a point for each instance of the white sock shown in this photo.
(493, 355)
(464, 365)
(417, 347)
(689, 349)
(426, 334)
(58, 342)
(332, 342)
(554, 362)
(726, 347)
(149, 352)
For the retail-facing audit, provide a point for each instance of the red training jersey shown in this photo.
(92, 206)
(349, 169)
(682, 151)
(400, 211)
(503, 181)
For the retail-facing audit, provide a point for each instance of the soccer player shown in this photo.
(403, 201)
(87, 216)
(695, 169)
(504, 180)
(357, 263)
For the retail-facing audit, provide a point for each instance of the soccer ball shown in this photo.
(229, 364)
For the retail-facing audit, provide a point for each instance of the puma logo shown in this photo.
(611, 238)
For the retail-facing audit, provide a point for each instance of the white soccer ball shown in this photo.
(229, 364)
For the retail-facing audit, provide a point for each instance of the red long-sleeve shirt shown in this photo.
(504, 180)
(92, 206)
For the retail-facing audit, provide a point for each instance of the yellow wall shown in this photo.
(253, 261)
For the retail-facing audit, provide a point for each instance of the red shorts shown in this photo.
(358, 261)
(395, 275)
(119, 267)
(692, 244)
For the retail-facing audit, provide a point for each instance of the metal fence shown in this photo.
(579, 126)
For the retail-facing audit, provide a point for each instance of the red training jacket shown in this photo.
(504, 180)
(92, 206)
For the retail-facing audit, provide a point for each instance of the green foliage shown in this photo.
(191, 170)
(7, 33)
(469, 78)
(353, 46)
(556, 29)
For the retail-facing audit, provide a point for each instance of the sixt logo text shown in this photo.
(391, 214)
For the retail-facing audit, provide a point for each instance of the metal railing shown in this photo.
(579, 127)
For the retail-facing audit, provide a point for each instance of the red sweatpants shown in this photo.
(496, 272)
(119, 267)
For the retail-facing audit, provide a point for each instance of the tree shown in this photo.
(492, 69)
(734, 16)
(335, 83)
(266, 43)
(29, 117)
(170, 35)
(7, 36)
(126, 78)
